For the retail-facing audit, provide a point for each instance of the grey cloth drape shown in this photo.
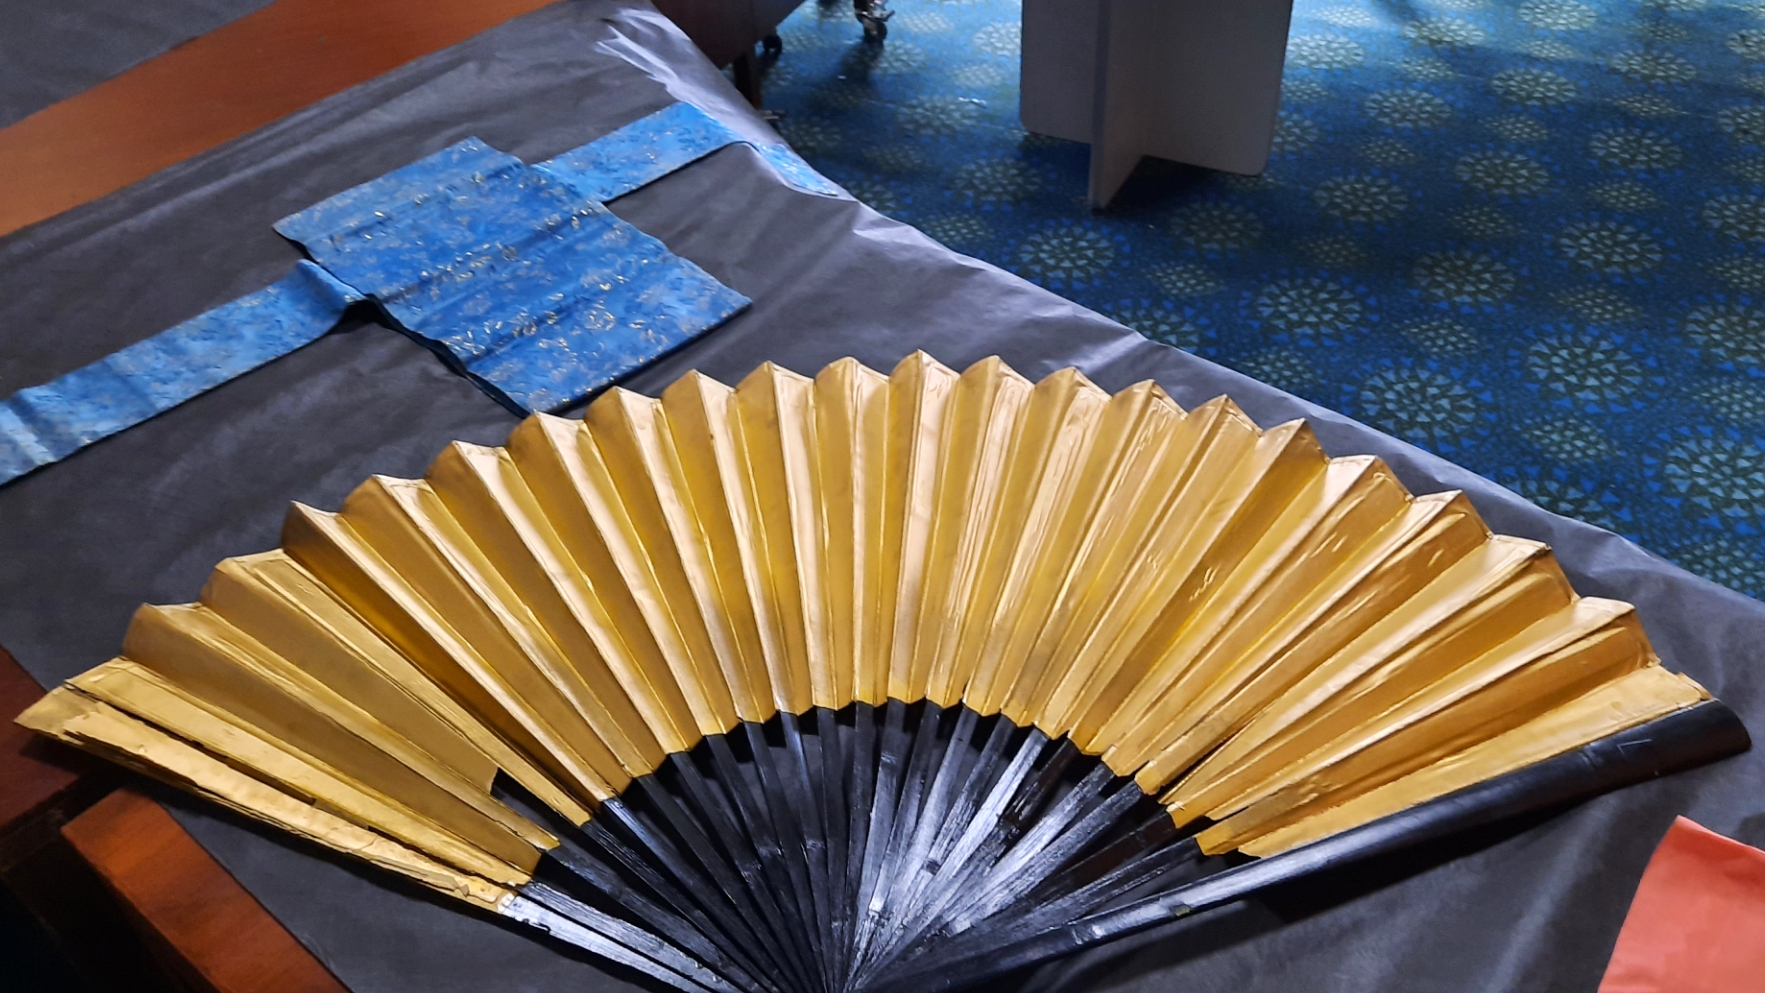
(144, 516)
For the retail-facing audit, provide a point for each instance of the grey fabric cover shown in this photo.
(144, 516)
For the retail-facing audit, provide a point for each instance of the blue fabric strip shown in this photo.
(47, 423)
(539, 293)
(519, 273)
(652, 147)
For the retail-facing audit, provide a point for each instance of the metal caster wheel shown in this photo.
(771, 47)
(874, 15)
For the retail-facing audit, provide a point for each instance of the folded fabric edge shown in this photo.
(461, 162)
(43, 424)
(1689, 927)
(657, 144)
(552, 391)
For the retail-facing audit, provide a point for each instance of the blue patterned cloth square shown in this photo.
(540, 294)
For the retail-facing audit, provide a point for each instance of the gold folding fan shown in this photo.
(865, 681)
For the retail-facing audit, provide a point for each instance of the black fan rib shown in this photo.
(912, 848)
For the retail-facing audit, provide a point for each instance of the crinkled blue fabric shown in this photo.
(540, 294)
(654, 146)
(456, 172)
(47, 423)
(517, 272)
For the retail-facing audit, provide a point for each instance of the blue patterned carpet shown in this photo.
(1528, 235)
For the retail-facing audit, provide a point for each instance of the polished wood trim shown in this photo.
(207, 928)
(62, 906)
(35, 773)
(212, 89)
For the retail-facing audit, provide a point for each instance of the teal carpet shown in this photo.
(1528, 235)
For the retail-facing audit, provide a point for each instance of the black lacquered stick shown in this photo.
(692, 840)
(964, 821)
(668, 891)
(1094, 825)
(790, 893)
(1062, 901)
(653, 950)
(984, 838)
(566, 929)
(935, 800)
(861, 792)
(926, 750)
(787, 820)
(1689, 737)
(577, 863)
(832, 739)
(726, 817)
(893, 749)
(983, 773)
(1155, 832)
(951, 768)
(698, 844)
(1027, 856)
(638, 849)
(1028, 800)
(809, 812)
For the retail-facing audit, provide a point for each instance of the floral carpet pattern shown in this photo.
(1528, 235)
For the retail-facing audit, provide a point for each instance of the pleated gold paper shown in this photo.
(1275, 644)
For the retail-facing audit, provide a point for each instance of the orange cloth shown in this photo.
(1697, 924)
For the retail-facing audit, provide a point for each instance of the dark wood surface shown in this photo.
(62, 930)
(105, 891)
(202, 925)
(35, 775)
(232, 80)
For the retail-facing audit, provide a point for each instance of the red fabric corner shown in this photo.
(1697, 924)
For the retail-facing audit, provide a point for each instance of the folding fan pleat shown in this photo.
(851, 408)
(919, 392)
(1147, 462)
(774, 421)
(190, 662)
(710, 524)
(277, 603)
(864, 681)
(1623, 703)
(1209, 678)
(632, 461)
(983, 412)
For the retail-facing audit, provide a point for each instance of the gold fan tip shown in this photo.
(920, 362)
(768, 377)
(298, 511)
(543, 429)
(693, 383)
(617, 404)
(240, 569)
(1067, 377)
(991, 365)
(463, 456)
